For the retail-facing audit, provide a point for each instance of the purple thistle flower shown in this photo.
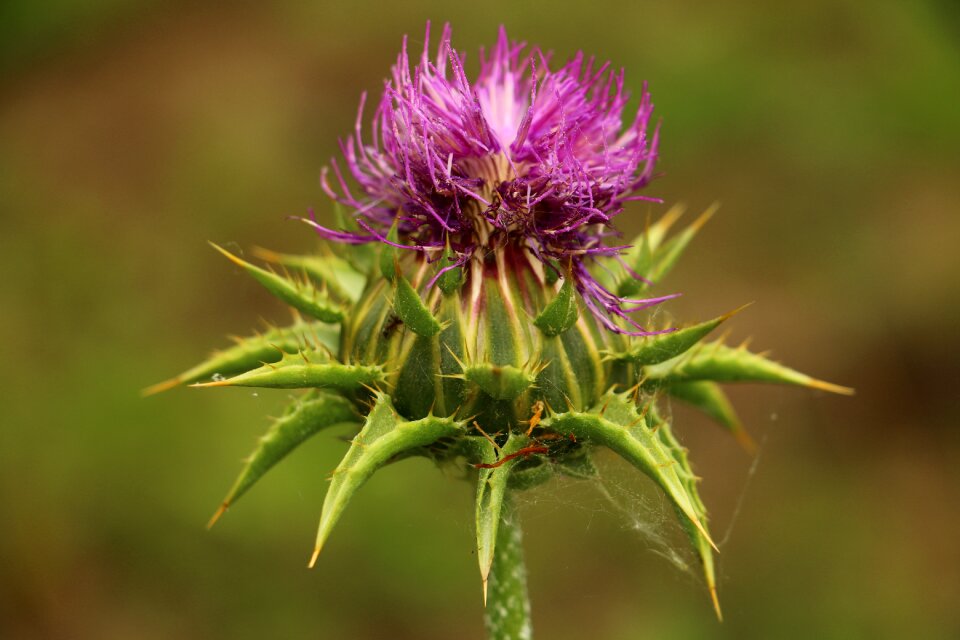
(525, 155)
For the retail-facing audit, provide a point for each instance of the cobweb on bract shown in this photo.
(666, 407)
(619, 493)
(646, 514)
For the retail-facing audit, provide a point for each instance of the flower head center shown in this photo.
(525, 154)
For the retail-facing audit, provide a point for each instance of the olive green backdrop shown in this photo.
(133, 132)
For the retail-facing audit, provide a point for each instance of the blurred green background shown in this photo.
(133, 132)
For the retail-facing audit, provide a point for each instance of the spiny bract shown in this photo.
(493, 328)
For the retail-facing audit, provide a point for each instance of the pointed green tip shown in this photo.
(451, 280)
(313, 557)
(704, 217)
(222, 509)
(160, 387)
(702, 529)
(232, 258)
(412, 311)
(730, 314)
(670, 218)
(716, 602)
(561, 313)
(823, 385)
(745, 440)
(389, 258)
(213, 383)
(658, 348)
(298, 294)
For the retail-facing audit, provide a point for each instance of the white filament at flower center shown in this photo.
(502, 107)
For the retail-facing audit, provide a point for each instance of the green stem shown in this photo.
(507, 614)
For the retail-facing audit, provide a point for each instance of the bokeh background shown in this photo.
(131, 132)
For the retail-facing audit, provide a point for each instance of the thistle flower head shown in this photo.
(493, 187)
(524, 156)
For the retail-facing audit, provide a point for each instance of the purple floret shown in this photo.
(524, 155)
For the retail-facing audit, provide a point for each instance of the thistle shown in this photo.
(475, 304)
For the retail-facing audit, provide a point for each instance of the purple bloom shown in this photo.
(525, 155)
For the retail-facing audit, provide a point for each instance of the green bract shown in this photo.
(493, 367)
